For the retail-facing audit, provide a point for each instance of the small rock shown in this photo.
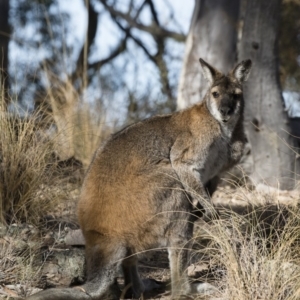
(74, 238)
(50, 268)
(204, 289)
(3, 230)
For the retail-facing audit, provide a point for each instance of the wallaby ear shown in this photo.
(209, 72)
(242, 70)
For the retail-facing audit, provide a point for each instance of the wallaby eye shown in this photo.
(230, 111)
(215, 94)
(236, 96)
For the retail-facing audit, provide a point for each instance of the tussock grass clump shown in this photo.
(80, 125)
(257, 255)
(25, 168)
(30, 156)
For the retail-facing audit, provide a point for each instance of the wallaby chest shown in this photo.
(205, 148)
(217, 157)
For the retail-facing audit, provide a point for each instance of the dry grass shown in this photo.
(80, 125)
(32, 181)
(17, 257)
(25, 167)
(255, 255)
(27, 176)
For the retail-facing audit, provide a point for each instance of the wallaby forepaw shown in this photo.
(152, 284)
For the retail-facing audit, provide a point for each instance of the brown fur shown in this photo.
(145, 184)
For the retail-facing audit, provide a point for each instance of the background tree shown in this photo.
(66, 72)
(289, 45)
(265, 120)
(75, 61)
(4, 41)
(213, 36)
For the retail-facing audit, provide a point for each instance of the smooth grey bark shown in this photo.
(213, 37)
(266, 122)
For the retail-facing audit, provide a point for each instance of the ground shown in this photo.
(34, 258)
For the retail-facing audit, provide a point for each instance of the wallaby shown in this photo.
(146, 183)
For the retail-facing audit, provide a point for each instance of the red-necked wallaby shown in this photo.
(144, 185)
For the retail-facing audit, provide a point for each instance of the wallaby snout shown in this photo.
(229, 106)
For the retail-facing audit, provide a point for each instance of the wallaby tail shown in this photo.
(65, 294)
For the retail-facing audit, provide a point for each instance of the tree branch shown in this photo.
(158, 60)
(137, 41)
(153, 11)
(155, 30)
(121, 47)
(91, 34)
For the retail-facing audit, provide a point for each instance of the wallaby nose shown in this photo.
(226, 110)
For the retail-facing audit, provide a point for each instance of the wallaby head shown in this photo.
(225, 95)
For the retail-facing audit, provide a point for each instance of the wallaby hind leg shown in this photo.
(133, 285)
(103, 259)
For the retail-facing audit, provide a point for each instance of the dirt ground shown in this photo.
(32, 258)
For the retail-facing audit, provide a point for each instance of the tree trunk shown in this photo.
(81, 69)
(212, 36)
(265, 120)
(4, 40)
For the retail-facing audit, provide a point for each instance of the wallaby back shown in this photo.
(144, 185)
